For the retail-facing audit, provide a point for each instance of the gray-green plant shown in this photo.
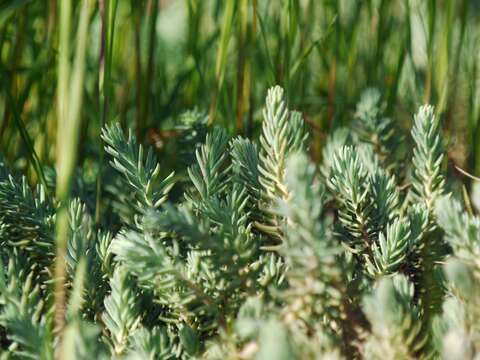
(252, 251)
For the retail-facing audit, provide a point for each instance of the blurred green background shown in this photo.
(148, 61)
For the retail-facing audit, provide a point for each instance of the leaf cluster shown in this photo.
(265, 255)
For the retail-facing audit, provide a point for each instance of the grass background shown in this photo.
(68, 67)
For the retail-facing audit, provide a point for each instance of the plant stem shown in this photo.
(70, 94)
(228, 19)
(149, 74)
(107, 12)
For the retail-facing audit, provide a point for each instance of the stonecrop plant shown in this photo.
(253, 251)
